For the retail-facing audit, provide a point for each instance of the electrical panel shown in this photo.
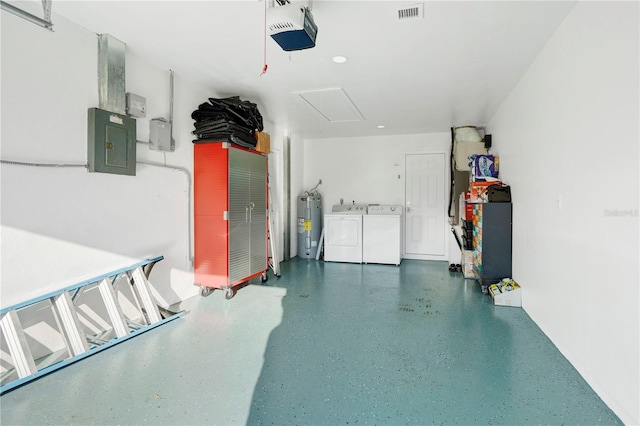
(111, 143)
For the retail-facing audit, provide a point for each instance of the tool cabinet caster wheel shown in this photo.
(264, 278)
(205, 291)
(228, 293)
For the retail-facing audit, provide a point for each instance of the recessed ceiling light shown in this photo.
(339, 59)
(381, 126)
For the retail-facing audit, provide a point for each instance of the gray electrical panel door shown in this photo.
(111, 143)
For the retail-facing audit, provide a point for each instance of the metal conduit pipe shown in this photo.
(22, 163)
(171, 100)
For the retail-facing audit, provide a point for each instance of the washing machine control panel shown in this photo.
(384, 209)
(350, 208)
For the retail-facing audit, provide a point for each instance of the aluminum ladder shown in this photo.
(80, 320)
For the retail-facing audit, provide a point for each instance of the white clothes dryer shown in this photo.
(382, 234)
(343, 233)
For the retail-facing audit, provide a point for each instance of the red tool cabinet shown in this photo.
(230, 216)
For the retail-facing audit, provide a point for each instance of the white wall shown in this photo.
(49, 80)
(366, 169)
(19, 269)
(568, 137)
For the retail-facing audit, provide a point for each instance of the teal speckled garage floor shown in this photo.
(348, 344)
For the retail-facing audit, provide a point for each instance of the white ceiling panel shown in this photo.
(333, 104)
(453, 65)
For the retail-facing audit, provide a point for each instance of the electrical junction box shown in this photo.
(111, 143)
(160, 135)
(136, 106)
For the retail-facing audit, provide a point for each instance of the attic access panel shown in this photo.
(333, 104)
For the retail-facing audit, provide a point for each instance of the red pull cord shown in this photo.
(264, 68)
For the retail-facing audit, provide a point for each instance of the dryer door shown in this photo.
(343, 238)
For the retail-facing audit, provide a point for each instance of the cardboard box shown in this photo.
(468, 211)
(264, 142)
(479, 191)
(506, 293)
(467, 264)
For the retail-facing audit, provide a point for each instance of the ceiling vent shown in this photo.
(411, 12)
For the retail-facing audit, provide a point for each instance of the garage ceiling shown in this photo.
(452, 66)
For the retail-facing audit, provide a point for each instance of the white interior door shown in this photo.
(425, 206)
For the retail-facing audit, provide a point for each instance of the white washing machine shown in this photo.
(382, 234)
(343, 233)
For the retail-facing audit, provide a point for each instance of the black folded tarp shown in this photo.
(233, 109)
(228, 119)
(213, 125)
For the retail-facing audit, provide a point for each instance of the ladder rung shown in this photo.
(143, 290)
(17, 344)
(113, 309)
(75, 336)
